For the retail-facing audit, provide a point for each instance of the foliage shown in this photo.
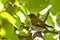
(14, 18)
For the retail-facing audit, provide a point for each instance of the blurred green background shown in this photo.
(15, 23)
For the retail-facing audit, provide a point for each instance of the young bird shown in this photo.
(37, 22)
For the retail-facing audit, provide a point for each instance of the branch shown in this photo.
(46, 17)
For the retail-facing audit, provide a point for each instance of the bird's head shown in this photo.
(32, 16)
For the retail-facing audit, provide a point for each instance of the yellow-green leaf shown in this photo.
(8, 17)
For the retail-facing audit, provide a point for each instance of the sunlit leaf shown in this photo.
(24, 30)
(23, 34)
(8, 17)
(22, 6)
(0, 20)
(12, 10)
(2, 32)
(1, 6)
(17, 3)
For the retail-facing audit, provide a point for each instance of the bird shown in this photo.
(37, 22)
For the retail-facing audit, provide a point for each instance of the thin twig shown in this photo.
(46, 16)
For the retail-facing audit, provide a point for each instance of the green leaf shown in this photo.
(34, 6)
(42, 17)
(18, 22)
(49, 36)
(23, 31)
(27, 22)
(55, 6)
(14, 20)
(12, 37)
(0, 20)
(7, 1)
(9, 30)
(58, 18)
(49, 21)
(21, 6)
(2, 32)
(12, 9)
(59, 35)
(8, 17)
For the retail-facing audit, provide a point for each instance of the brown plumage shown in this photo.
(37, 22)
